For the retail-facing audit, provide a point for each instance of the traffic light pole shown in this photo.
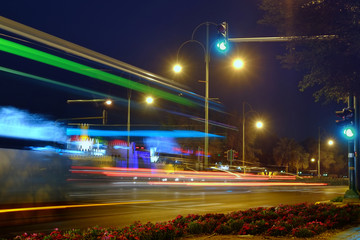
(352, 193)
(356, 144)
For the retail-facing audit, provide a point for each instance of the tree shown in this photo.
(331, 65)
(235, 138)
(289, 154)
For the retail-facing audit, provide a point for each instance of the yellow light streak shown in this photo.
(92, 205)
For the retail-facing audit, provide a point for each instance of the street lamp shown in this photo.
(177, 68)
(330, 142)
(149, 100)
(259, 124)
(104, 115)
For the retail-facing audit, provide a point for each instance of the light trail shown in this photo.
(238, 184)
(103, 95)
(46, 58)
(161, 173)
(141, 133)
(92, 205)
(60, 84)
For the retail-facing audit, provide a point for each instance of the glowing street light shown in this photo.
(259, 124)
(177, 68)
(238, 63)
(149, 100)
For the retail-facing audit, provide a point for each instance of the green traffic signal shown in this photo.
(349, 133)
(222, 45)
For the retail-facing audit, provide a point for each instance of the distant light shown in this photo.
(259, 124)
(330, 142)
(149, 100)
(108, 102)
(238, 63)
(313, 160)
(177, 68)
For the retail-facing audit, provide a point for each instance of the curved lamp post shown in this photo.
(177, 68)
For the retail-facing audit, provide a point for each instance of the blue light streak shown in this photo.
(15, 123)
(141, 133)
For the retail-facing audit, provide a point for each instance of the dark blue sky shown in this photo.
(147, 34)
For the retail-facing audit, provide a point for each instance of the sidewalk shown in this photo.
(350, 234)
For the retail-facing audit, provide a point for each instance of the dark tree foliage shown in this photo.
(331, 65)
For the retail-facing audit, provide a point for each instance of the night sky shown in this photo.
(147, 34)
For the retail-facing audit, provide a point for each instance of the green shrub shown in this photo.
(235, 225)
(195, 228)
(261, 226)
(277, 231)
(303, 232)
(209, 225)
(223, 229)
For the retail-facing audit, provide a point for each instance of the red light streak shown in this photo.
(162, 173)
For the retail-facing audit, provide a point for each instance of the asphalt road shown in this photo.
(120, 204)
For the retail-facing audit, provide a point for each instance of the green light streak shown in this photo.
(36, 55)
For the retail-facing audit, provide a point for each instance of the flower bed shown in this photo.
(300, 220)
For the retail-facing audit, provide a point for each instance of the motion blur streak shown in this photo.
(238, 184)
(15, 123)
(161, 173)
(103, 95)
(140, 133)
(36, 55)
(93, 205)
(60, 84)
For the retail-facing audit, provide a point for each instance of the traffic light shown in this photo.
(236, 155)
(222, 38)
(346, 115)
(347, 121)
